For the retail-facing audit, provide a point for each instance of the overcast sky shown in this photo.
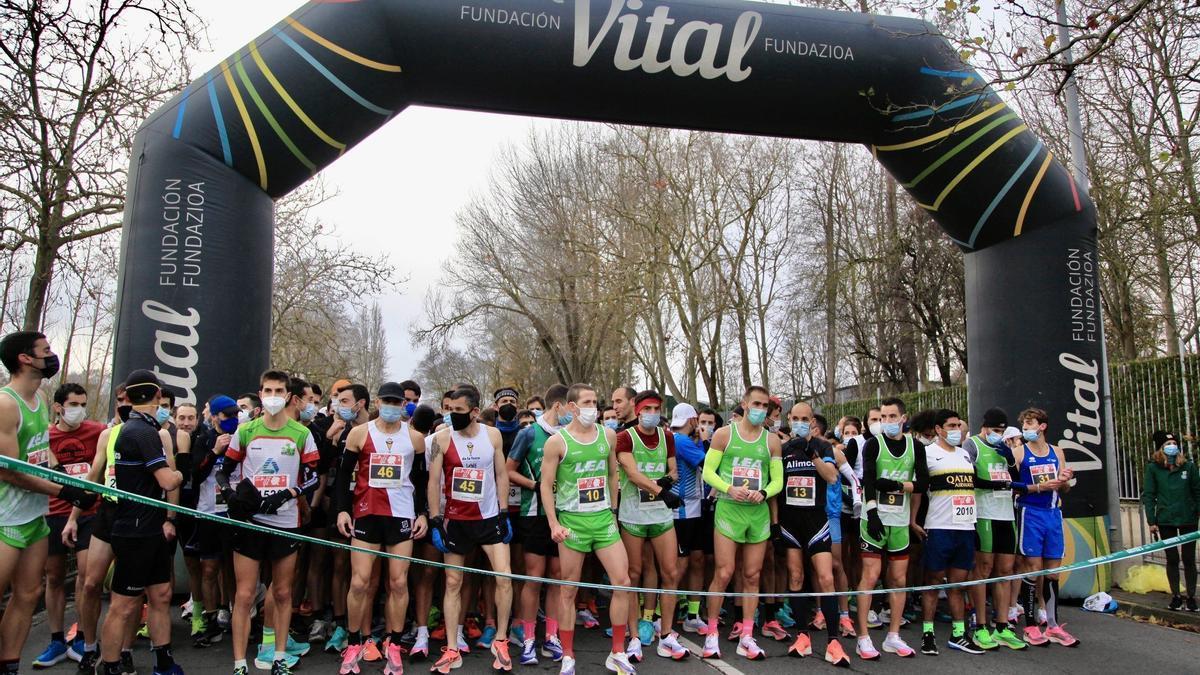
(411, 177)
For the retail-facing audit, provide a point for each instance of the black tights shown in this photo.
(1189, 559)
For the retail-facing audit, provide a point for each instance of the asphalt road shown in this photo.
(1109, 644)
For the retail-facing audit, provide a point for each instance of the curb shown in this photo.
(1153, 607)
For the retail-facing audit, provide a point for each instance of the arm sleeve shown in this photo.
(870, 453)
(420, 481)
(228, 463)
(309, 479)
(775, 485)
(1149, 494)
(921, 480)
(341, 488)
(712, 462)
(847, 472)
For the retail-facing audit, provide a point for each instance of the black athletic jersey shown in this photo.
(850, 450)
(138, 454)
(803, 487)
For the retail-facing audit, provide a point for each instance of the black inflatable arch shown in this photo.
(197, 249)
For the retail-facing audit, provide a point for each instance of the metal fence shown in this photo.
(1147, 395)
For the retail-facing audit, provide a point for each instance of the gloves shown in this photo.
(665, 483)
(671, 499)
(275, 501)
(244, 501)
(874, 524)
(77, 496)
(888, 485)
(437, 534)
(506, 530)
(777, 537)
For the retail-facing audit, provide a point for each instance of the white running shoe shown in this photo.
(712, 647)
(634, 650)
(696, 625)
(669, 648)
(748, 648)
(568, 665)
(894, 644)
(1041, 616)
(618, 662)
(873, 619)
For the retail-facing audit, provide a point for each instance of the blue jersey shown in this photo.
(1036, 470)
(689, 461)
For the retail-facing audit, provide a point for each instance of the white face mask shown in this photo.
(588, 415)
(875, 428)
(243, 416)
(274, 404)
(74, 415)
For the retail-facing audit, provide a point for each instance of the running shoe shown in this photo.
(929, 644)
(736, 633)
(370, 652)
(866, 650)
(873, 619)
(240, 670)
(773, 630)
(438, 633)
(265, 658)
(712, 647)
(516, 634)
(55, 653)
(846, 626)
(464, 647)
(473, 630)
(485, 640)
(529, 652)
(420, 648)
(818, 622)
(894, 644)
(224, 618)
(552, 648)
(185, 610)
(306, 608)
(278, 667)
(73, 634)
(646, 631)
(297, 648)
(983, 639)
(634, 650)
(568, 666)
(694, 625)
(669, 647)
(499, 650)
(449, 661)
(88, 661)
(395, 660)
(1034, 636)
(75, 648)
(962, 644)
(1008, 638)
(1041, 617)
(801, 648)
(350, 659)
(127, 667)
(618, 662)
(748, 648)
(835, 655)
(1191, 604)
(199, 631)
(585, 618)
(1014, 613)
(338, 641)
(885, 616)
(1176, 603)
(177, 669)
(1059, 636)
(144, 632)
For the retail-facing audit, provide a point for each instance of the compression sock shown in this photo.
(926, 626)
(801, 608)
(268, 636)
(567, 637)
(551, 627)
(829, 607)
(529, 630)
(648, 614)
(712, 626)
(618, 639)
(958, 628)
(693, 608)
(769, 609)
(1029, 593)
(1051, 593)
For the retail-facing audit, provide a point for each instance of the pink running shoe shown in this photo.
(350, 659)
(773, 630)
(1034, 636)
(1059, 636)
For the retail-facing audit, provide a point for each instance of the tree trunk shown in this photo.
(39, 286)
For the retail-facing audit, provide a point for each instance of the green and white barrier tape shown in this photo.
(13, 464)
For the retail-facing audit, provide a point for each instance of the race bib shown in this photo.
(77, 469)
(38, 457)
(964, 509)
(269, 484)
(747, 477)
(514, 495)
(1043, 473)
(801, 491)
(997, 472)
(593, 494)
(385, 471)
(891, 502)
(645, 497)
(466, 485)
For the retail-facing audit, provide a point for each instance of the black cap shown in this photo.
(142, 378)
(995, 417)
(391, 390)
(1161, 437)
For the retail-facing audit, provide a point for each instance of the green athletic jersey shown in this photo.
(18, 506)
(894, 506)
(110, 460)
(581, 483)
(744, 462)
(531, 468)
(639, 507)
(989, 465)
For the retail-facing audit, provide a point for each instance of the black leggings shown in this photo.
(1189, 559)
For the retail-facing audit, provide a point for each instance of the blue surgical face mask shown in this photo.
(837, 433)
(409, 409)
(309, 412)
(1030, 435)
(994, 438)
(1170, 450)
(891, 428)
(649, 420)
(564, 418)
(446, 418)
(162, 415)
(228, 425)
(391, 413)
(801, 429)
(756, 416)
(347, 413)
(612, 424)
(537, 413)
(954, 437)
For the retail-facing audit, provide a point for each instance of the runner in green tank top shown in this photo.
(744, 466)
(579, 507)
(24, 499)
(647, 513)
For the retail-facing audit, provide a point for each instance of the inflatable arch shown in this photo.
(195, 276)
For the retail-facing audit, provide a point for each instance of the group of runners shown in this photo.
(772, 505)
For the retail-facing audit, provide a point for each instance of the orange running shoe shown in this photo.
(500, 650)
(801, 648)
(371, 651)
(836, 655)
(450, 660)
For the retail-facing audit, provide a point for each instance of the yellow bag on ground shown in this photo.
(1146, 578)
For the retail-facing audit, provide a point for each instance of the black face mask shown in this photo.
(50, 367)
(507, 412)
(460, 421)
(123, 412)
